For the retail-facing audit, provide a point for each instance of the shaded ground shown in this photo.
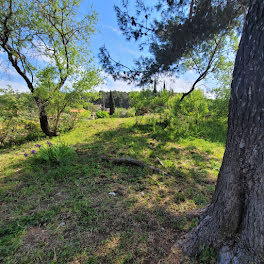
(65, 214)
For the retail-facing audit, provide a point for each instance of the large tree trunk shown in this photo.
(43, 118)
(234, 222)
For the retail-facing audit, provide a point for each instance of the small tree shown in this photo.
(141, 101)
(155, 88)
(46, 43)
(111, 104)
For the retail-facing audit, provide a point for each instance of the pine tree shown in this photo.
(233, 222)
(111, 103)
(155, 88)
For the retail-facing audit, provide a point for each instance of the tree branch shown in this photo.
(129, 161)
(205, 72)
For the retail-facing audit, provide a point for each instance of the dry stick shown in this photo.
(129, 161)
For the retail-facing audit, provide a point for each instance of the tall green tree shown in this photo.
(233, 222)
(46, 42)
(111, 103)
(170, 30)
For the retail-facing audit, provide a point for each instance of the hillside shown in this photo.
(89, 210)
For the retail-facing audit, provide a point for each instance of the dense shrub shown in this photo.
(102, 114)
(17, 118)
(195, 116)
(123, 112)
(84, 116)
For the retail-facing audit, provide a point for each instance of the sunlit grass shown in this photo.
(52, 213)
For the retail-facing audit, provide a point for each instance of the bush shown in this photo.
(122, 113)
(102, 114)
(54, 154)
(31, 126)
(91, 107)
(67, 121)
(84, 116)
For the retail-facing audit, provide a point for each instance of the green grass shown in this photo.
(63, 213)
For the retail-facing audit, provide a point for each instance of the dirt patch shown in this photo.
(34, 236)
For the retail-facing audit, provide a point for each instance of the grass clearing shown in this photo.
(65, 214)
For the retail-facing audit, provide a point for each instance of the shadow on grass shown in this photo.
(19, 140)
(209, 130)
(67, 213)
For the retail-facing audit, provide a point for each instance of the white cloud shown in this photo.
(133, 52)
(118, 85)
(41, 52)
(18, 86)
(115, 30)
(178, 85)
(172, 83)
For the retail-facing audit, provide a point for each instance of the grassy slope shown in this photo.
(66, 215)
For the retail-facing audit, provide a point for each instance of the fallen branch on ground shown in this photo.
(129, 161)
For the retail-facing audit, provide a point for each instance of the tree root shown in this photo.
(231, 250)
(134, 162)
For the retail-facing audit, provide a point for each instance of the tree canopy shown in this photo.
(47, 44)
(170, 30)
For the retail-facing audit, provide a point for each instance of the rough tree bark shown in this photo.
(43, 119)
(234, 221)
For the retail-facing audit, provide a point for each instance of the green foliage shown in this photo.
(194, 106)
(16, 123)
(194, 222)
(122, 99)
(212, 57)
(51, 30)
(222, 91)
(91, 107)
(84, 116)
(102, 114)
(168, 36)
(195, 116)
(69, 119)
(123, 112)
(62, 101)
(146, 101)
(55, 154)
(31, 126)
(141, 101)
(160, 105)
(9, 116)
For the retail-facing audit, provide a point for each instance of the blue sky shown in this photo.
(108, 34)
